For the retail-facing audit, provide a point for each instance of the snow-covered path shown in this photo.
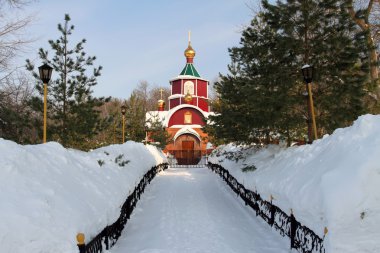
(193, 210)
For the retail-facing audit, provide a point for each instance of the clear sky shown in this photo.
(145, 40)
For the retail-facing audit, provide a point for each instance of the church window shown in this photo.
(188, 87)
(188, 117)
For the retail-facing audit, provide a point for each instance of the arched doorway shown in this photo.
(187, 149)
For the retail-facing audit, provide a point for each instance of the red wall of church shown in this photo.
(178, 118)
(202, 103)
(176, 87)
(202, 88)
(174, 102)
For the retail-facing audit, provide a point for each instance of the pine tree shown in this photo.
(135, 117)
(263, 94)
(72, 110)
(321, 33)
(157, 132)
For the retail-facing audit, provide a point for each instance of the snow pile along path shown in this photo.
(193, 210)
(48, 193)
(334, 183)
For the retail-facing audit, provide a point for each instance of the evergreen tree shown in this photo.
(112, 120)
(157, 132)
(72, 110)
(135, 117)
(142, 99)
(263, 94)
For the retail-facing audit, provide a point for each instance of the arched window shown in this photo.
(188, 87)
(188, 118)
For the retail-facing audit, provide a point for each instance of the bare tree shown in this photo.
(17, 117)
(12, 38)
(14, 3)
(155, 95)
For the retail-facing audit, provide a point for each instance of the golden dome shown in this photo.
(161, 103)
(189, 52)
(188, 98)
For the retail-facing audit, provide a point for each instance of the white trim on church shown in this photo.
(186, 130)
(164, 116)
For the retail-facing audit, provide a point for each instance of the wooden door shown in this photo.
(187, 145)
(187, 152)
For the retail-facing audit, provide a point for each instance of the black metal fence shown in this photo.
(187, 166)
(301, 237)
(110, 234)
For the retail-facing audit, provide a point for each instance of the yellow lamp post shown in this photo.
(146, 134)
(123, 111)
(307, 72)
(308, 117)
(45, 75)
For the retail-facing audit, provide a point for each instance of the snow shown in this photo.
(190, 126)
(193, 210)
(332, 183)
(187, 77)
(176, 96)
(48, 193)
(154, 116)
(186, 130)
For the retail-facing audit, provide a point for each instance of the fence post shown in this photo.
(106, 240)
(293, 228)
(272, 211)
(80, 243)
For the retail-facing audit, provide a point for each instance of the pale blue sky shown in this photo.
(145, 40)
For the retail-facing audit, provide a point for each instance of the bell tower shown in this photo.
(187, 113)
(189, 87)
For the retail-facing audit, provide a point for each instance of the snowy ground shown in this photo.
(48, 193)
(333, 183)
(194, 211)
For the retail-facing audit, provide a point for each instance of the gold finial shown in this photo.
(188, 98)
(161, 90)
(80, 238)
(189, 52)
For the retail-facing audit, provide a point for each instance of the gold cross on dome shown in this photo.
(161, 90)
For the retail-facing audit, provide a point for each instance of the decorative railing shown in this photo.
(110, 234)
(301, 237)
(199, 165)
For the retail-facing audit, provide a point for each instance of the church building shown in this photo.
(188, 110)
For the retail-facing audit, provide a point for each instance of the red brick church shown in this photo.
(188, 107)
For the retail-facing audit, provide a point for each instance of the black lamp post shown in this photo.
(123, 111)
(45, 76)
(307, 72)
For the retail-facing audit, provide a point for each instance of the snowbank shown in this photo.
(334, 183)
(48, 193)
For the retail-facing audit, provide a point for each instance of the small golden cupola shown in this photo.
(161, 103)
(189, 52)
(188, 98)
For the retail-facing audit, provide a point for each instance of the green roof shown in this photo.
(189, 70)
